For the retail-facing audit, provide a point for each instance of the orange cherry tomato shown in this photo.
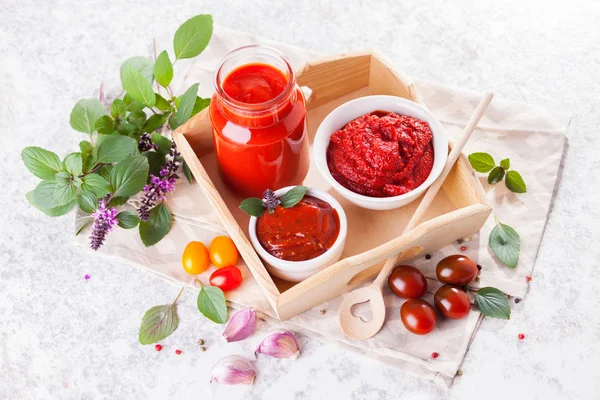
(226, 278)
(223, 252)
(195, 258)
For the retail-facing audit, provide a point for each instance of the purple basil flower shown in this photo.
(270, 201)
(159, 186)
(145, 143)
(104, 220)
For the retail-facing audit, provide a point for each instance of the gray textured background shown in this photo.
(64, 338)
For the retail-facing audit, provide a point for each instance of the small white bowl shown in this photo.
(296, 271)
(353, 109)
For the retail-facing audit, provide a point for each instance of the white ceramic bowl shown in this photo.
(353, 109)
(296, 271)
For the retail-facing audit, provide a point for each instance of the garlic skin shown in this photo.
(241, 325)
(233, 370)
(279, 344)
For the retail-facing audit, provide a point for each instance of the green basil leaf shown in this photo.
(52, 212)
(137, 86)
(211, 303)
(293, 196)
(193, 36)
(116, 148)
(158, 323)
(81, 221)
(117, 201)
(514, 182)
(87, 202)
(43, 194)
(492, 303)
(118, 109)
(162, 103)
(200, 105)
(128, 219)
(100, 139)
(104, 125)
(186, 104)
(131, 104)
(156, 160)
(105, 171)
(157, 226)
(173, 124)
(505, 163)
(85, 147)
(42, 163)
(482, 162)
(85, 113)
(496, 175)
(153, 123)
(137, 118)
(86, 155)
(129, 176)
(253, 206)
(64, 189)
(164, 144)
(506, 244)
(125, 128)
(73, 163)
(141, 64)
(95, 184)
(163, 69)
(187, 172)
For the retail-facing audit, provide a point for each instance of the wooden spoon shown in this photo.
(355, 327)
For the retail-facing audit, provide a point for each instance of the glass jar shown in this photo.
(258, 116)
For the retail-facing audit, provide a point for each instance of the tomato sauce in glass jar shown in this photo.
(258, 116)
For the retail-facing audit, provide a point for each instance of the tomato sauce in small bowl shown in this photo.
(299, 241)
(299, 233)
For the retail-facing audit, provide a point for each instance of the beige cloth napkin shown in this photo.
(532, 137)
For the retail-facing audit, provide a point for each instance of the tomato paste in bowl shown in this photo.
(299, 241)
(380, 152)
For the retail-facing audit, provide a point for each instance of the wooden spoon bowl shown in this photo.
(354, 326)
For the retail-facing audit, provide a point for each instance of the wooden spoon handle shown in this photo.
(435, 187)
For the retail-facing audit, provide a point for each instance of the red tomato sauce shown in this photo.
(261, 143)
(381, 154)
(299, 233)
(255, 83)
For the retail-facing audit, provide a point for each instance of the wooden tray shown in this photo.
(459, 210)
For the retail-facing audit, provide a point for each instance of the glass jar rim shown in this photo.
(281, 97)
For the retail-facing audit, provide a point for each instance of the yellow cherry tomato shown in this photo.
(195, 258)
(223, 252)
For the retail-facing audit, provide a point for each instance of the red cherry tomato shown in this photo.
(456, 270)
(226, 278)
(452, 302)
(418, 316)
(407, 282)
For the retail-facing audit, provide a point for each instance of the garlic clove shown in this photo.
(279, 344)
(241, 325)
(233, 370)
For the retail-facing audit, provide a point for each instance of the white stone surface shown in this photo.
(64, 338)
